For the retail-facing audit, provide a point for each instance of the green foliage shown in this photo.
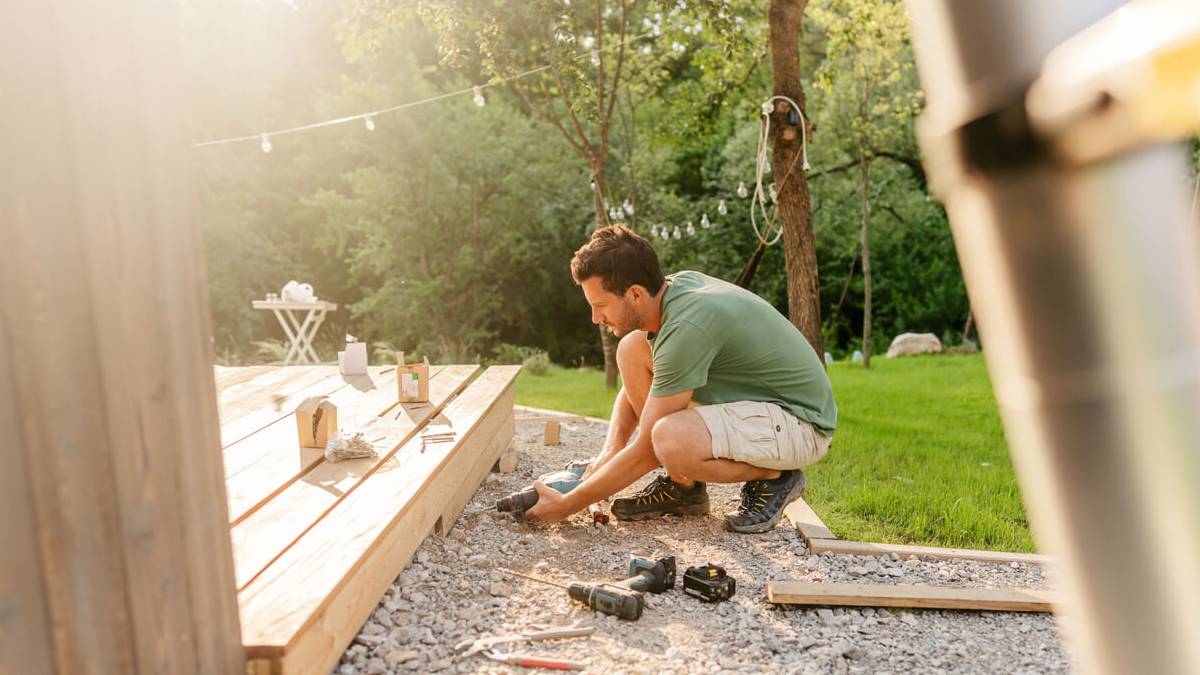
(272, 351)
(447, 231)
(537, 363)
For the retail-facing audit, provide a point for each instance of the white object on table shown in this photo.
(353, 361)
(300, 333)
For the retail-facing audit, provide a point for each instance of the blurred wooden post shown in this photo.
(116, 551)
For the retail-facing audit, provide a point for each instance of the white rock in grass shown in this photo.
(906, 344)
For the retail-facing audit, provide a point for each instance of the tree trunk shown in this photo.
(865, 174)
(795, 206)
(970, 321)
(608, 342)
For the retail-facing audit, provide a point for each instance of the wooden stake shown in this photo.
(550, 435)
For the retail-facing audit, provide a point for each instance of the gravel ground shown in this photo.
(451, 591)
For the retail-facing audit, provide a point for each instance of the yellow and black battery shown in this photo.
(709, 583)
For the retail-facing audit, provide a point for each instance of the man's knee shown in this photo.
(673, 442)
(633, 351)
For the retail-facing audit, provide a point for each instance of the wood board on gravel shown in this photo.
(452, 590)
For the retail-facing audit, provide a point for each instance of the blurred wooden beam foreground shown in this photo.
(116, 546)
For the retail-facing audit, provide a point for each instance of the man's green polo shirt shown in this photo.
(727, 344)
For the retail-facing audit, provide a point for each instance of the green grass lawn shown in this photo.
(572, 390)
(919, 456)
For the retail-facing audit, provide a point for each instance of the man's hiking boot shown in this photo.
(763, 502)
(660, 497)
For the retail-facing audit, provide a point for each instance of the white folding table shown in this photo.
(300, 333)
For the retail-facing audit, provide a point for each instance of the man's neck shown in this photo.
(653, 322)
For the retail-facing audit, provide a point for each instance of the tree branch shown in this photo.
(552, 119)
(574, 118)
(912, 163)
(616, 81)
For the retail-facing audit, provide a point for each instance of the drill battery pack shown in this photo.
(709, 583)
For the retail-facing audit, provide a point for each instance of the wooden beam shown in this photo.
(842, 547)
(521, 419)
(807, 522)
(308, 604)
(109, 395)
(475, 474)
(529, 411)
(924, 597)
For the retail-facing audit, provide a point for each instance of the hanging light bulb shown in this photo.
(265, 144)
(742, 191)
(721, 208)
(614, 214)
(691, 229)
(654, 231)
(704, 221)
(369, 121)
(677, 234)
(479, 99)
(628, 207)
(664, 233)
(595, 57)
(767, 167)
(774, 192)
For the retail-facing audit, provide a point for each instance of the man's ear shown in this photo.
(636, 293)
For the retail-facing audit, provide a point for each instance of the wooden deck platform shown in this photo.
(315, 543)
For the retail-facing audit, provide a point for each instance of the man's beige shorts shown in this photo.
(762, 434)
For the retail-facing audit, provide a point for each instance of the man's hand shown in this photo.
(551, 506)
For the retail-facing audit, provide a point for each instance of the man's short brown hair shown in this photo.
(620, 258)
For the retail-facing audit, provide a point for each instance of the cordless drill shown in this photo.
(624, 599)
(564, 481)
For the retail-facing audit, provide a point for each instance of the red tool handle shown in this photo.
(551, 664)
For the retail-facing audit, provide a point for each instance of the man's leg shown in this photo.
(683, 444)
(677, 495)
(635, 364)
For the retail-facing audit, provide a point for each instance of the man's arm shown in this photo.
(631, 463)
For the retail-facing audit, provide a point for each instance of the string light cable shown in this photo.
(759, 201)
(368, 118)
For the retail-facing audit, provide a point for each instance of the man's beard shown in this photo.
(626, 323)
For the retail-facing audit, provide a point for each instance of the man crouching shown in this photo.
(719, 386)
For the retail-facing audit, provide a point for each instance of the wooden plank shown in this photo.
(924, 597)
(266, 462)
(313, 599)
(521, 419)
(841, 547)
(104, 304)
(807, 522)
(267, 532)
(259, 392)
(283, 402)
(227, 376)
(525, 411)
(317, 648)
(474, 476)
